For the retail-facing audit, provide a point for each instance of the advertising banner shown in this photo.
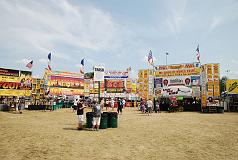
(99, 73)
(9, 79)
(66, 91)
(9, 72)
(26, 80)
(12, 92)
(158, 82)
(115, 84)
(178, 70)
(177, 91)
(115, 74)
(174, 81)
(232, 86)
(195, 80)
(66, 82)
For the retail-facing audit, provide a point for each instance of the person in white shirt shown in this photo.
(75, 104)
(112, 103)
(149, 106)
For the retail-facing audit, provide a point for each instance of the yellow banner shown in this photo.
(184, 72)
(232, 86)
(66, 91)
(9, 79)
(11, 92)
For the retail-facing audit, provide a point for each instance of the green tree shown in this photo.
(223, 84)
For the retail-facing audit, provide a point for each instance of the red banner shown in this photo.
(115, 84)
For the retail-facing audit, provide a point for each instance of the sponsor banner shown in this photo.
(10, 85)
(187, 72)
(9, 79)
(158, 82)
(115, 74)
(26, 80)
(115, 84)
(216, 70)
(179, 80)
(178, 70)
(232, 86)
(66, 74)
(66, 91)
(195, 80)
(179, 66)
(9, 72)
(204, 100)
(209, 69)
(12, 92)
(99, 73)
(133, 87)
(177, 91)
(14, 85)
(66, 82)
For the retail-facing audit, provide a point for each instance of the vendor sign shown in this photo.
(9, 72)
(109, 74)
(232, 86)
(99, 73)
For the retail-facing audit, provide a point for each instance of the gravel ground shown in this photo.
(184, 135)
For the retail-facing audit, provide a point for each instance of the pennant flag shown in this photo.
(49, 56)
(82, 66)
(198, 54)
(49, 61)
(150, 58)
(30, 64)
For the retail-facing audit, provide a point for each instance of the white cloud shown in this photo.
(176, 15)
(43, 26)
(43, 61)
(23, 61)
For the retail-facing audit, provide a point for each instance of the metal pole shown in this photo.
(166, 57)
(99, 92)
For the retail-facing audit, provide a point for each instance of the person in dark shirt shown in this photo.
(80, 115)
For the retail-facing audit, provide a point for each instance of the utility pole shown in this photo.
(166, 54)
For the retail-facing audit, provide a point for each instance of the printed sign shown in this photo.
(232, 86)
(9, 72)
(115, 74)
(99, 73)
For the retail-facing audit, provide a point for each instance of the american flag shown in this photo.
(150, 58)
(30, 64)
(198, 54)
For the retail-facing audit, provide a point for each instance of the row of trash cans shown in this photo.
(108, 120)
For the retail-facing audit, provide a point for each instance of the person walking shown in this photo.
(80, 112)
(96, 116)
(149, 106)
(120, 106)
(112, 103)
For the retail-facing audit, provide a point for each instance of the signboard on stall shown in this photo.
(9, 72)
(99, 73)
(232, 86)
(178, 70)
(115, 83)
(110, 74)
(178, 80)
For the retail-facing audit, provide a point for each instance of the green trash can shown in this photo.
(104, 120)
(112, 119)
(220, 109)
(89, 119)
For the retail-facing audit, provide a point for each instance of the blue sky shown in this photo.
(117, 34)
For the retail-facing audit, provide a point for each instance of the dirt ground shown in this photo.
(184, 135)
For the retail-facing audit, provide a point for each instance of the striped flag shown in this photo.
(30, 64)
(198, 54)
(49, 61)
(150, 58)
